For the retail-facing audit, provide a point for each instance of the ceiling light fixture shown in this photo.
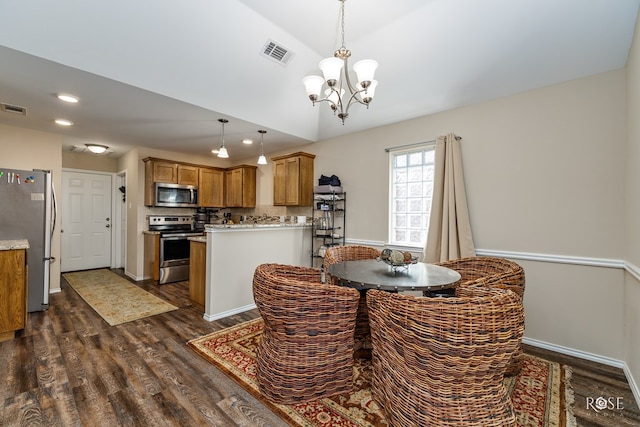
(247, 141)
(63, 122)
(262, 160)
(222, 152)
(332, 69)
(67, 98)
(97, 148)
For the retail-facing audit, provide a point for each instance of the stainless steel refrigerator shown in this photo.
(28, 211)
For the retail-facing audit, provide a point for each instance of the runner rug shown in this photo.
(541, 393)
(114, 298)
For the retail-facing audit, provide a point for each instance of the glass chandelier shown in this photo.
(336, 76)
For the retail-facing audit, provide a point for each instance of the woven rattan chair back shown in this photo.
(441, 361)
(497, 273)
(306, 349)
(336, 254)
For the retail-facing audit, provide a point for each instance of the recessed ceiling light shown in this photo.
(247, 141)
(63, 122)
(68, 98)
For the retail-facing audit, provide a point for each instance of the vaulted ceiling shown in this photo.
(159, 73)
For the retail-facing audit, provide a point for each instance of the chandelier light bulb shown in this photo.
(365, 70)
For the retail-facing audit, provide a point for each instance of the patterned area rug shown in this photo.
(114, 298)
(541, 393)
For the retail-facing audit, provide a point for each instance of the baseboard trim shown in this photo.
(217, 316)
(134, 277)
(635, 389)
(575, 353)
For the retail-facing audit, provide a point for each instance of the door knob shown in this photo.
(107, 225)
(108, 219)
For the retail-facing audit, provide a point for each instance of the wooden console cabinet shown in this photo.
(293, 179)
(13, 292)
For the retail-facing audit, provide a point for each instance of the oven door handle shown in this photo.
(179, 236)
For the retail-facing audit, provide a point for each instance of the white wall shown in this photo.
(632, 220)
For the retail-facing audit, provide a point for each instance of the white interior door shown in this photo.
(86, 221)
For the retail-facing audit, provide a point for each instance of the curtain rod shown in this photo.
(433, 141)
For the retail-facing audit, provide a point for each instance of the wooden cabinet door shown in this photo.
(13, 290)
(165, 172)
(187, 175)
(292, 181)
(197, 273)
(211, 188)
(233, 188)
(279, 182)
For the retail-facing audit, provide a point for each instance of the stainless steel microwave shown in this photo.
(175, 195)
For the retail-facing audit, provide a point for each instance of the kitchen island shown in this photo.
(234, 252)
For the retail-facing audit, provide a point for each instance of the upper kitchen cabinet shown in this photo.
(240, 186)
(211, 188)
(159, 170)
(293, 179)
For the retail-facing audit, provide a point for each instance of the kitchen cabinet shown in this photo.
(240, 186)
(211, 187)
(197, 272)
(159, 170)
(151, 266)
(293, 179)
(13, 292)
(328, 223)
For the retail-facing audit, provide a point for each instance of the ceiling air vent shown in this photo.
(276, 52)
(14, 109)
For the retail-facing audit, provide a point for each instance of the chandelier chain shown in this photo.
(342, 23)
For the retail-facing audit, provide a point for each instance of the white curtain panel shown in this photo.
(449, 234)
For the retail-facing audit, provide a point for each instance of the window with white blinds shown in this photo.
(411, 190)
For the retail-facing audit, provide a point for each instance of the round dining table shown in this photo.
(373, 274)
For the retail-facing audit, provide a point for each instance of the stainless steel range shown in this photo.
(174, 245)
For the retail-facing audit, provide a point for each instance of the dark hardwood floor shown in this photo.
(69, 368)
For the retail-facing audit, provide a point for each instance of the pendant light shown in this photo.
(222, 153)
(262, 160)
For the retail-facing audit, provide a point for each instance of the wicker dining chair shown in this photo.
(306, 348)
(441, 361)
(336, 254)
(497, 273)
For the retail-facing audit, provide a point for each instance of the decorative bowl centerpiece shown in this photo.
(397, 259)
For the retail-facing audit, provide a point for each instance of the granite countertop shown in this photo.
(200, 239)
(230, 227)
(7, 245)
